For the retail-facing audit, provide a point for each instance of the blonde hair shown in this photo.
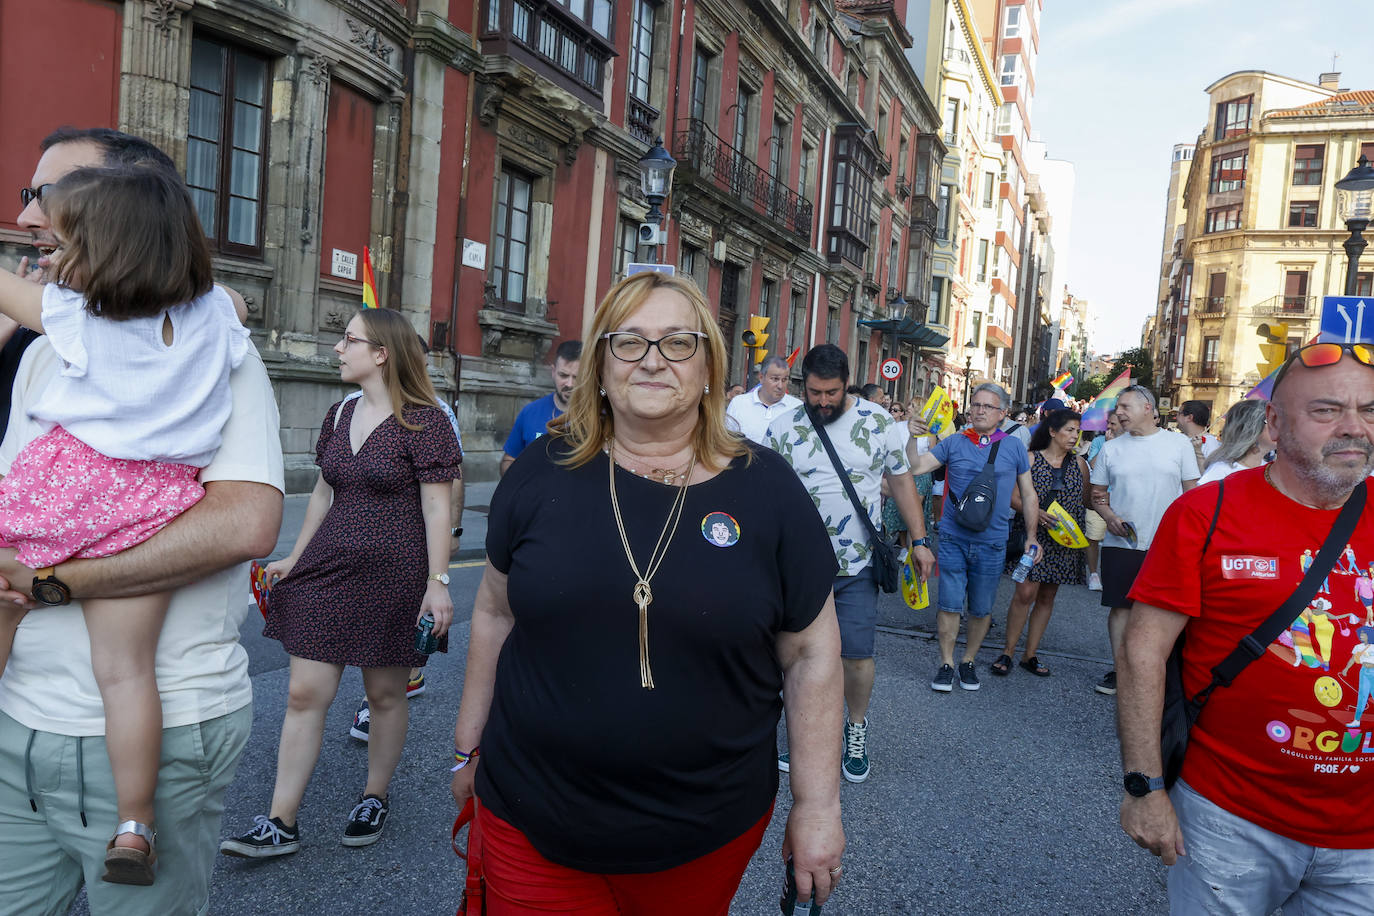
(405, 371)
(589, 422)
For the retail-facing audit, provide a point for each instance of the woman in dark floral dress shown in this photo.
(371, 561)
(1062, 476)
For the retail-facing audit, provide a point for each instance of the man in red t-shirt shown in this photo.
(1271, 803)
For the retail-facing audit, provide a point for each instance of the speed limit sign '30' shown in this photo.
(891, 369)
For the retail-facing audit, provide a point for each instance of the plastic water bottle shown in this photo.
(1023, 567)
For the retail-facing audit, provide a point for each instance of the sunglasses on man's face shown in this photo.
(28, 195)
(1321, 355)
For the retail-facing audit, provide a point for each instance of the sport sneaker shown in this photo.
(1094, 582)
(785, 762)
(968, 677)
(365, 821)
(944, 679)
(415, 686)
(1107, 685)
(269, 837)
(362, 720)
(855, 764)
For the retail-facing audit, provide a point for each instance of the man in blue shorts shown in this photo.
(971, 562)
(872, 448)
(533, 419)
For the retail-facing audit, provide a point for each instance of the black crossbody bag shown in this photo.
(1180, 711)
(886, 567)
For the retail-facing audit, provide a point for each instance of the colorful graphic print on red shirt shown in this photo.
(1290, 744)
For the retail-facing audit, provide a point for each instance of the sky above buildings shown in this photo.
(1120, 82)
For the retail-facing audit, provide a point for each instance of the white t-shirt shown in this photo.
(1209, 445)
(751, 416)
(125, 393)
(870, 444)
(1145, 474)
(1218, 470)
(202, 671)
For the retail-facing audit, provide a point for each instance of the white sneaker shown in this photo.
(1094, 582)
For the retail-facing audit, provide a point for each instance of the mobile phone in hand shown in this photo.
(788, 903)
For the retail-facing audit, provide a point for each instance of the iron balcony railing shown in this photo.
(1204, 371)
(1210, 305)
(700, 149)
(1287, 306)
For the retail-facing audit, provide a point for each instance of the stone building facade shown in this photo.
(1261, 240)
(485, 152)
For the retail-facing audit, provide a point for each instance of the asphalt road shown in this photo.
(999, 801)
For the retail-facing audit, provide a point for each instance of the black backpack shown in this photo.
(974, 510)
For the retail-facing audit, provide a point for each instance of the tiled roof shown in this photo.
(1360, 101)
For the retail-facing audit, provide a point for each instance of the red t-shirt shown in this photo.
(1275, 747)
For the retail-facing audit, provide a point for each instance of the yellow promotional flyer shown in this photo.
(914, 588)
(1064, 529)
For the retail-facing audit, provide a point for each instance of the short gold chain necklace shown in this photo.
(643, 595)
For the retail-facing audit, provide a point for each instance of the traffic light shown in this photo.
(1275, 346)
(756, 336)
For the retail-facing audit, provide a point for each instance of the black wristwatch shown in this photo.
(1138, 785)
(920, 542)
(50, 590)
(458, 532)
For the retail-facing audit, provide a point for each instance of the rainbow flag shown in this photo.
(1095, 417)
(369, 281)
(1062, 381)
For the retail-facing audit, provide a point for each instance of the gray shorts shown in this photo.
(856, 606)
(45, 855)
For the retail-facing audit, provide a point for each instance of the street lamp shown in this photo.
(655, 180)
(1355, 204)
(896, 310)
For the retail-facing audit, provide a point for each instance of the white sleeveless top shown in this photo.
(126, 394)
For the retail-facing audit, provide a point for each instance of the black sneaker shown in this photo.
(362, 721)
(365, 822)
(269, 837)
(944, 679)
(968, 677)
(1107, 685)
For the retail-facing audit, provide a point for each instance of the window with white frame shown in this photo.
(1011, 70)
(511, 236)
(1013, 22)
(641, 49)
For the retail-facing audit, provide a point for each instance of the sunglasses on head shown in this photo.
(1321, 355)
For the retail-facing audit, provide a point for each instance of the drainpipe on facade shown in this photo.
(402, 196)
(820, 234)
(451, 344)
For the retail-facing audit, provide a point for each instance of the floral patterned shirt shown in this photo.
(870, 443)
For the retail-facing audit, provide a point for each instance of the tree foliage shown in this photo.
(1140, 363)
(1089, 387)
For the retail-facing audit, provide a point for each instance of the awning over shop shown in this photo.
(924, 336)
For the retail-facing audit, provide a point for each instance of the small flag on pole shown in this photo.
(1095, 417)
(369, 281)
(1062, 381)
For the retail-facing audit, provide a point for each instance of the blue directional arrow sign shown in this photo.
(1347, 319)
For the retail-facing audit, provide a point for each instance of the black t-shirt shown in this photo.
(599, 773)
(10, 354)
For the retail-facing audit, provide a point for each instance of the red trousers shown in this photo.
(520, 881)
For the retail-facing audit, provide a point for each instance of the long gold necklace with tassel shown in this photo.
(643, 595)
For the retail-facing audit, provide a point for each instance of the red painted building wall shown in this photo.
(84, 92)
(346, 218)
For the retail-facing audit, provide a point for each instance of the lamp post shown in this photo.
(1355, 204)
(896, 309)
(655, 180)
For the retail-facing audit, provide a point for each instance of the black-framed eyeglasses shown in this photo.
(1321, 355)
(28, 195)
(350, 339)
(631, 348)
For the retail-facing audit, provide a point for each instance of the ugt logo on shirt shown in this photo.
(1249, 567)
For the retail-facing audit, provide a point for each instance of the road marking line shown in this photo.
(467, 564)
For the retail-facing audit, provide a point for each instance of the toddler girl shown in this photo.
(146, 342)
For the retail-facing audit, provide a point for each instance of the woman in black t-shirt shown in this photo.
(651, 576)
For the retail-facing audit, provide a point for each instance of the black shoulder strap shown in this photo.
(992, 458)
(1216, 514)
(1253, 645)
(843, 473)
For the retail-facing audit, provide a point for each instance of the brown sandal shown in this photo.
(126, 864)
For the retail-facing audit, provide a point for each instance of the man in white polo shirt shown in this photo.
(57, 798)
(754, 410)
